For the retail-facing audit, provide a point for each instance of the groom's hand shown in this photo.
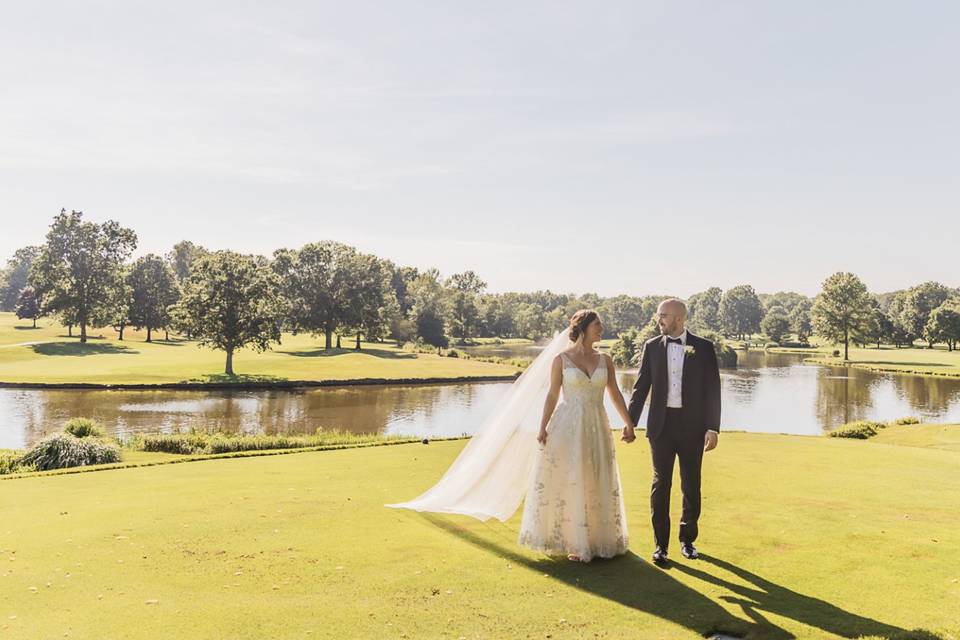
(710, 440)
(628, 434)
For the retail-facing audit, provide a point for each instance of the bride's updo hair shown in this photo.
(580, 321)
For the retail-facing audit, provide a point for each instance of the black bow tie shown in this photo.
(674, 341)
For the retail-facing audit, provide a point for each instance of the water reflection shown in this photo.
(767, 393)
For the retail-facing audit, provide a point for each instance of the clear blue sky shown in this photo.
(633, 147)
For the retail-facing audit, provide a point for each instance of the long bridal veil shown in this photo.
(489, 477)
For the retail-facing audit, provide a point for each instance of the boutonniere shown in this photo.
(689, 350)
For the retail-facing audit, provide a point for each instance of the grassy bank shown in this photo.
(805, 537)
(47, 356)
(915, 360)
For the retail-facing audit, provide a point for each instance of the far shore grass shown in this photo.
(47, 356)
(887, 359)
(803, 537)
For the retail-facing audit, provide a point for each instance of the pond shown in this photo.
(772, 393)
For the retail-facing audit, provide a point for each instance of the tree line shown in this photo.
(83, 276)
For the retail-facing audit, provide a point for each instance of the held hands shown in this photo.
(710, 440)
(628, 434)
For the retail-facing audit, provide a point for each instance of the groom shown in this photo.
(683, 421)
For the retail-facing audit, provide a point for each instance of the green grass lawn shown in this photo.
(912, 360)
(47, 355)
(804, 537)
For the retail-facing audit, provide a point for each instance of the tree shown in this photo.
(16, 276)
(841, 309)
(704, 310)
(79, 266)
(117, 311)
(371, 301)
(897, 313)
(182, 257)
(740, 311)
(315, 285)
(921, 301)
(154, 290)
(622, 313)
(531, 321)
(463, 290)
(496, 316)
(28, 306)
(800, 322)
(775, 324)
(624, 350)
(230, 302)
(876, 327)
(788, 300)
(944, 324)
(429, 308)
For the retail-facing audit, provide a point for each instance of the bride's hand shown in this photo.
(628, 434)
(542, 436)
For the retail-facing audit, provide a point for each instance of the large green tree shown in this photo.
(79, 266)
(841, 310)
(463, 290)
(740, 311)
(775, 324)
(182, 256)
(704, 310)
(154, 290)
(429, 308)
(371, 300)
(622, 313)
(229, 302)
(896, 311)
(921, 301)
(800, 322)
(944, 324)
(28, 306)
(315, 284)
(16, 276)
(119, 299)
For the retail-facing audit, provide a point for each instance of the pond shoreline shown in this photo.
(816, 356)
(257, 384)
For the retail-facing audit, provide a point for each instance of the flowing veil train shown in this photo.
(489, 477)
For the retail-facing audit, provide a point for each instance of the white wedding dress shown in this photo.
(572, 484)
(573, 501)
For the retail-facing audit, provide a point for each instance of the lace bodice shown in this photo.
(578, 387)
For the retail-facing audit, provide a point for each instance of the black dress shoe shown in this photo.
(689, 551)
(660, 556)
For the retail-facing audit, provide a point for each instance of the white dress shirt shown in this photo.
(675, 372)
(675, 353)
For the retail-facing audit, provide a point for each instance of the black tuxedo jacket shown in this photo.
(700, 387)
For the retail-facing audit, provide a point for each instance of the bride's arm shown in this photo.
(617, 396)
(553, 395)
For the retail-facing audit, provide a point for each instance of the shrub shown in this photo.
(907, 420)
(196, 443)
(84, 428)
(860, 430)
(10, 462)
(453, 353)
(836, 353)
(64, 450)
(726, 356)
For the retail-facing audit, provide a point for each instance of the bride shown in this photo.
(574, 505)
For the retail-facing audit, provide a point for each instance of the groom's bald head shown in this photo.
(671, 316)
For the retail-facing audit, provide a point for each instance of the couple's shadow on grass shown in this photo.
(633, 582)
